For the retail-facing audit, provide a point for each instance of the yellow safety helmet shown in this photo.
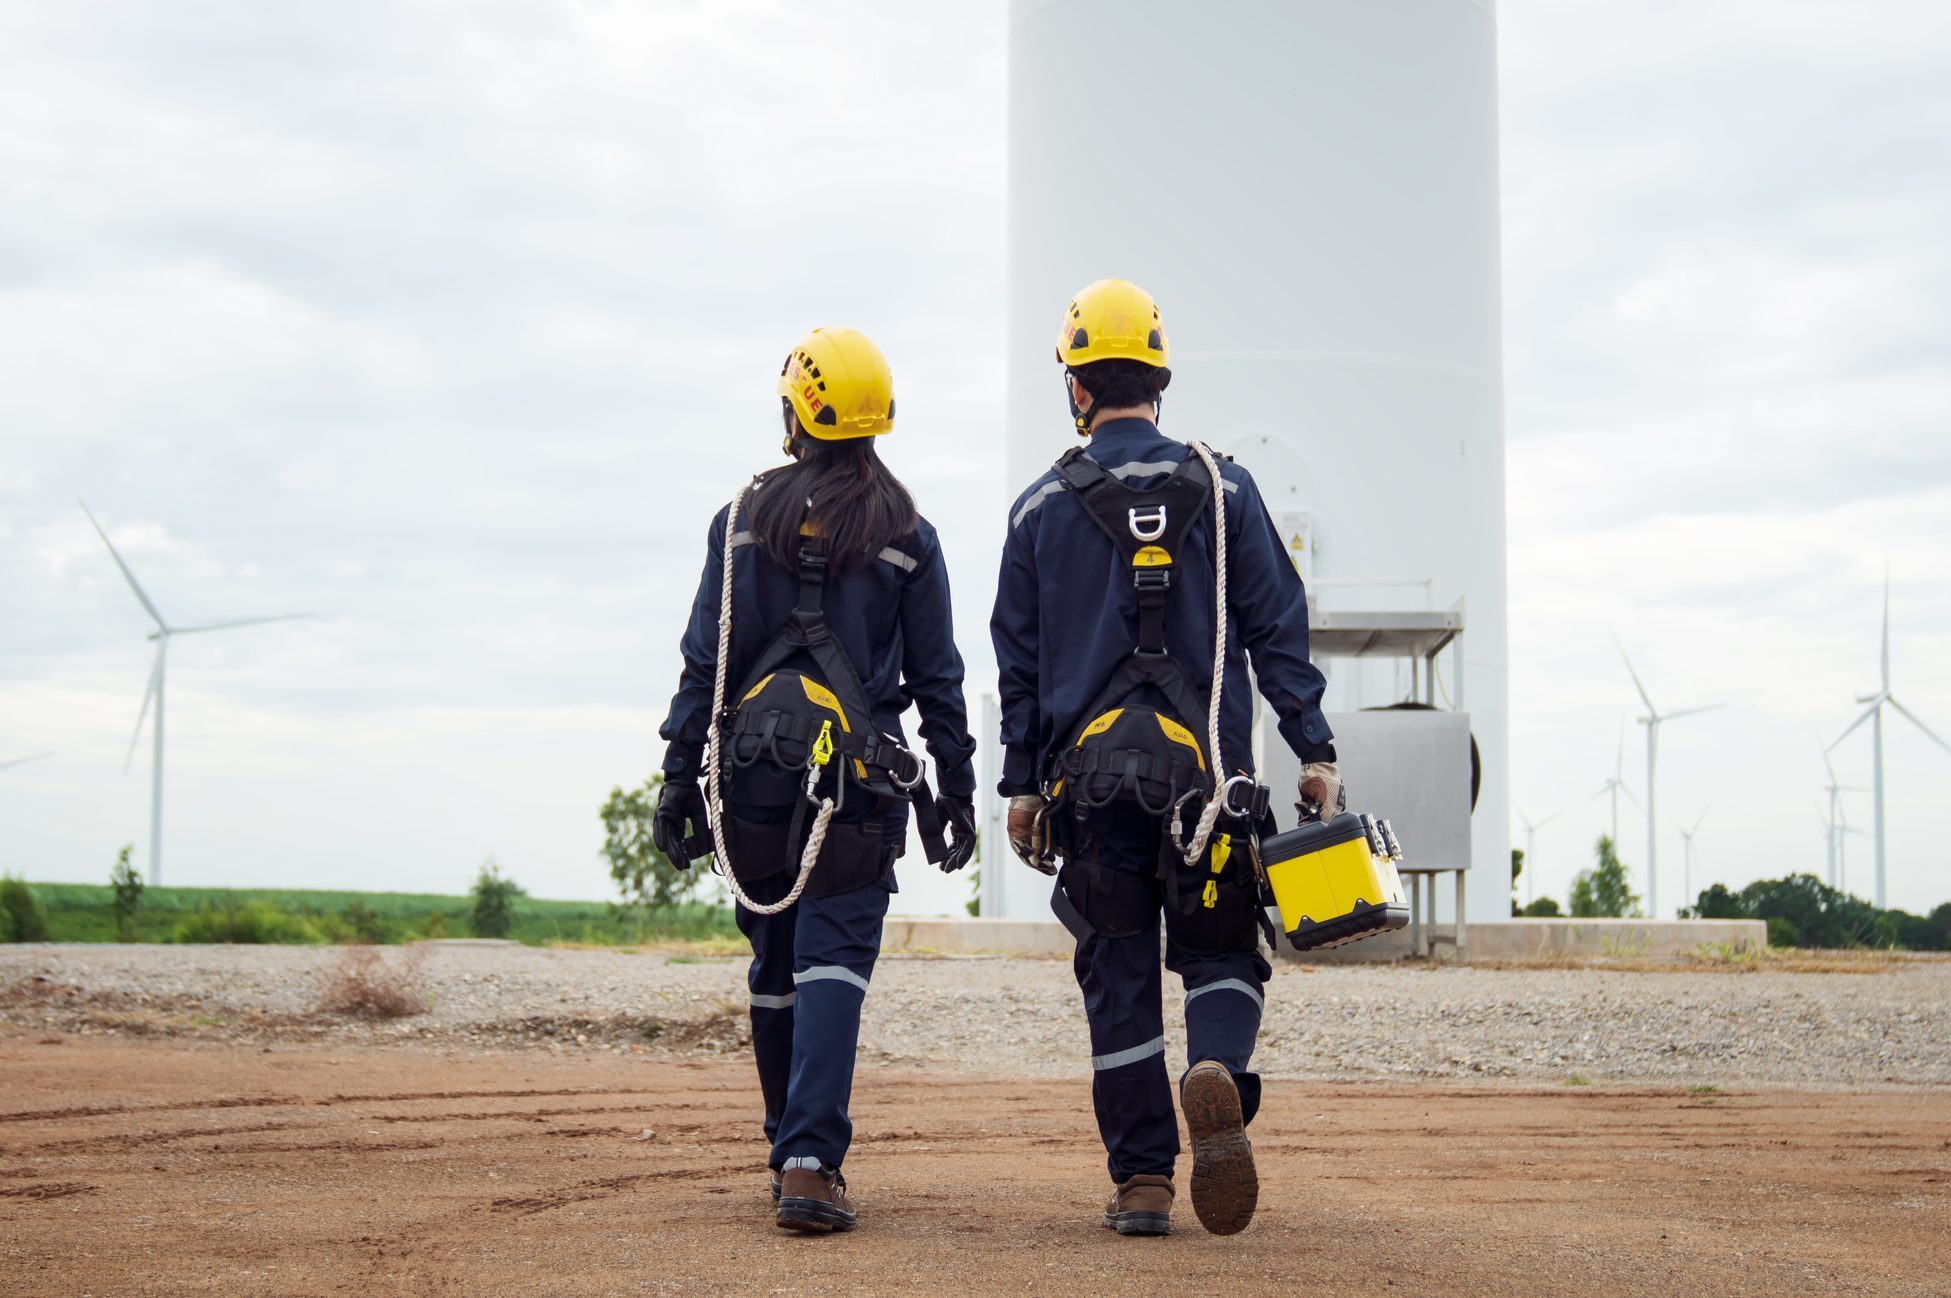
(1112, 319)
(839, 385)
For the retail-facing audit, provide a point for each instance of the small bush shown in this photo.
(20, 915)
(361, 984)
(1543, 908)
(364, 925)
(434, 926)
(257, 922)
(494, 896)
(127, 886)
(1783, 931)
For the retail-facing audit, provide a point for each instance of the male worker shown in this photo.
(1105, 635)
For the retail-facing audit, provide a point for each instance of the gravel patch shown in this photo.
(984, 1014)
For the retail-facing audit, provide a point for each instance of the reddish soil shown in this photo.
(158, 1168)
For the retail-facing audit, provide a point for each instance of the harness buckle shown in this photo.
(1151, 578)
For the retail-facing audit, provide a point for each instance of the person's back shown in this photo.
(823, 608)
(1126, 615)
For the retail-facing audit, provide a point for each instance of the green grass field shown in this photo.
(82, 912)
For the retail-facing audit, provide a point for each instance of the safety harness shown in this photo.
(1139, 754)
(801, 735)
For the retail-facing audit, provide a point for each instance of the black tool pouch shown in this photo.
(1223, 919)
(1108, 903)
(760, 849)
(853, 855)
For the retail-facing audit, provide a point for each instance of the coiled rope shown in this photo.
(1217, 802)
(809, 857)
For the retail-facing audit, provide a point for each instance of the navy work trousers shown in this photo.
(810, 968)
(1123, 992)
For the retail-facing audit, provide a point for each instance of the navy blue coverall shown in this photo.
(1065, 616)
(812, 962)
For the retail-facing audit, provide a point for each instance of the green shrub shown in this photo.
(127, 886)
(494, 896)
(1783, 931)
(20, 915)
(1543, 908)
(253, 922)
(364, 925)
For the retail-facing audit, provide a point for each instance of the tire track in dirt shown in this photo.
(49, 1190)
(300, 1102)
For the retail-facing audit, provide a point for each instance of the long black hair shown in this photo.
(854, 504)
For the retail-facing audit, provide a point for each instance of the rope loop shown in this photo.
(715, 746)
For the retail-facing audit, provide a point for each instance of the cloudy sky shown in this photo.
(452, 324)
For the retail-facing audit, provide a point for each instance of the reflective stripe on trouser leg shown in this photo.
(1120, 980)
(1223, 1000)
(771, 991)
(835, 945)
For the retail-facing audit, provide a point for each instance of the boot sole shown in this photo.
(813, 1217)
(1139, 1223)
(1225, 1186)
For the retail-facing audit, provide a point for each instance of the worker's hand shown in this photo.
(959, 818)
(1024, 812)
(681, 802)
(1322, 797)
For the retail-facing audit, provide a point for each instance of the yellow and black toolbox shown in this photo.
(1335, 883)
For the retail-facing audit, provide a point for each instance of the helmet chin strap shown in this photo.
(792, 444)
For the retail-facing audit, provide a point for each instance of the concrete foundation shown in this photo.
(1494, 940)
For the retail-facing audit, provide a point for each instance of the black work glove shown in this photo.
(682, 801)
(958, 817)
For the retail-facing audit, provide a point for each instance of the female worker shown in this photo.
(823, 610)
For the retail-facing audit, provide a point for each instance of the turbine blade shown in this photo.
(22, 761)
(1630, 798)
(1866, 715)
(1913, 719)
(134, 585)
(1600, 794)
(1884, 658)
(246, 621)
(143, 715)
(1548, 819)
(1644, 698)
(1689, 712)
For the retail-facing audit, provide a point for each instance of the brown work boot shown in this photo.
(1141, 1206)
(814, 1201)
(1225, 1188)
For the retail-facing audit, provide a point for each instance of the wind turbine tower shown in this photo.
(1616, 785)
(1531, 829)
(161, 636)
(1874, 715)
(1653, 720)
(1687, 833)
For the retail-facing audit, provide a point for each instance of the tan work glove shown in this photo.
(1025, 832)
(1322, 797)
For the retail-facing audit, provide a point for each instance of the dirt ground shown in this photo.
(133, 1168)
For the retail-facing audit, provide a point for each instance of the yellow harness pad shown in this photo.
(1331, 886)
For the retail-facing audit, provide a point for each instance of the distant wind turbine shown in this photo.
(22, 761)
(1838, 821)
(1687, 845)
(161, 636)
(1653, 720)
(1616, 785)
(1874, 714)
(1531, 829)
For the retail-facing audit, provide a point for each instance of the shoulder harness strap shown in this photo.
(1146, 526)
